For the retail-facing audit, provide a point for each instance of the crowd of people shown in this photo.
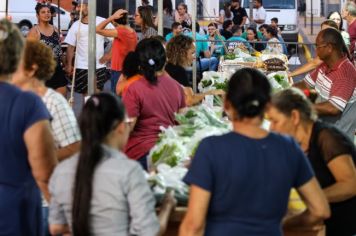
(60, 175)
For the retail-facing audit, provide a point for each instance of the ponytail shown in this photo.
(152, 56)
(100, 115)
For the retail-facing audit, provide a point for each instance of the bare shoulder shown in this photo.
(33, 33)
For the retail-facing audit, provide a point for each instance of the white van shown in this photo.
(22, 12)
(287, 13)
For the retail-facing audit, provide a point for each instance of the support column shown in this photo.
(194, 28)
(110, 8)
(160, 17)
(92, 47)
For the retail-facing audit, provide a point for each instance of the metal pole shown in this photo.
(160, 17)
(59, 16)
(251, 11)
(194, 29)
(110, 8)
(7, 9)
(311, 15)
(127, 5)
(92, 47)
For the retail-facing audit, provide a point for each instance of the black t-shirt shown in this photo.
(239, 14)
(258, 46)
(178, 73)
(227, 34)
(326, 144)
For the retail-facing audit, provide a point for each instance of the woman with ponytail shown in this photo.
(100, 191)
(150, 102)
(240, 181)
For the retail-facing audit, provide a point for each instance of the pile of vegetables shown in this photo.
(279, 81)
(178, 144)
(213, 80)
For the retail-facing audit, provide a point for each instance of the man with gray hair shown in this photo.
(349, 14)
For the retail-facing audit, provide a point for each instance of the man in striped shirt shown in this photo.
(335, 79)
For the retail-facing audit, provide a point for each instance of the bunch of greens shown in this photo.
(230, 56)
(179, 143)
(222, 86)
(278, 81)
(206, 83)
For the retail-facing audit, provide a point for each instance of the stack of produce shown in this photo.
(279, 81)
(214, 80)
(177, 145)
(275, 64)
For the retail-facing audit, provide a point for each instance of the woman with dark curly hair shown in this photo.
(180, 54)
(49, 35)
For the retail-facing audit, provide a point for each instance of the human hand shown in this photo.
(118, 14)
(217, 92)
(104, 59)
(290, 78)
(169, 199)
(69, 69)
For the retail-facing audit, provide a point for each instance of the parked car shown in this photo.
(287, 13)
(24, 15)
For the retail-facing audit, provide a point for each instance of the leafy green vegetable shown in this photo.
(230, 56)
(206, 83)
(222, 86)
(278, 78)
(166, 155)
(218, 101)
(188, 131)
(213, 120)
(190, 114)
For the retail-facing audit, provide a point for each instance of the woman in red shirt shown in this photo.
(125, 41)
(151, 101)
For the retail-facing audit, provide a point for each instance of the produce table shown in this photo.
(179, 142)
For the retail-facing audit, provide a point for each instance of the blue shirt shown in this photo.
(233, 44)
(249, 181)
(169, 36)
(200, 46)
(219, 45)
(19, 193)
(18, 111)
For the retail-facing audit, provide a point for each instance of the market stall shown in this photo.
(169, 159)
